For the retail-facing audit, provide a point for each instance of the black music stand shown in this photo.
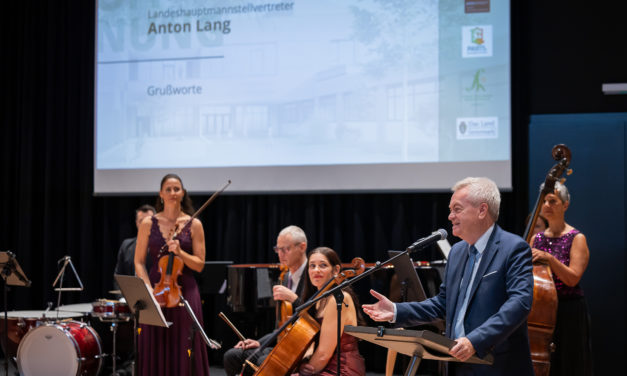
(12, 275)
(212, 279)
(411, 287)
(418, 344)
(411, 290)
(140, 300)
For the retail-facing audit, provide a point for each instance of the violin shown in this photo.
(289, 351)
(543, 315)
(283, 308)
(167, 291)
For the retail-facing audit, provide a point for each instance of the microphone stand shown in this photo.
(339, 300)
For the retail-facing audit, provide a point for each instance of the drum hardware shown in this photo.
(12, 275)
(111, 312)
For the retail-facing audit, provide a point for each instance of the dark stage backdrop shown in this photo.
(48, 208)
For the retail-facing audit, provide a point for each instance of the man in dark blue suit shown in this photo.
(487, 290)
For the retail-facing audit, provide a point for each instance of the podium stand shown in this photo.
(418, 344)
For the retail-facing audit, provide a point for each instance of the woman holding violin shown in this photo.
(565, 250)
(164, 351)
(323, 265)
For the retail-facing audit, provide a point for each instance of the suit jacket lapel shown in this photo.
(486, 259)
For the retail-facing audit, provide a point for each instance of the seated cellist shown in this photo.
(291, 247)
(324, 264)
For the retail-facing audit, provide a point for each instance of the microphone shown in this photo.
(62, 259)
(440, 234)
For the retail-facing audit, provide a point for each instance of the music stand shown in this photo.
(411, 287)
(411, 291)
(213, 277)
(12, 275)
(418, 344)
(140, 300)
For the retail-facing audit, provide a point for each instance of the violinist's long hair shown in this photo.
(309, 289)
(186, 202)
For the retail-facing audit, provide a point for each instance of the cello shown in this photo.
(542, 318)
(289, 350)
(167, 291)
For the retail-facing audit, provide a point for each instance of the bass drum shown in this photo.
(20, 322)
(65, 348)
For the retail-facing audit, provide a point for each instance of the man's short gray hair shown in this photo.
(297, 234)
(482, 190)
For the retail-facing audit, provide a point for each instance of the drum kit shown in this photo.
(69, 340)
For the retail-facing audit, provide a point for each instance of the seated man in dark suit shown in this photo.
(291, 247)
(487, 292)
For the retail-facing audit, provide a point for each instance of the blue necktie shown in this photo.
(463, 292)
(289, 282)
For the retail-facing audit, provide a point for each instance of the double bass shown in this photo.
(290, 349)
(542, 318)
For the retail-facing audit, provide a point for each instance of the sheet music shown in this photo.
(445, 247)
(155, 303)
(134, 289)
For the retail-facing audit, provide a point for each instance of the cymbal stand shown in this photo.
(114, 329)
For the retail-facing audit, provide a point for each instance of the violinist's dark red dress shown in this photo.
(164, 351)
(351, 361)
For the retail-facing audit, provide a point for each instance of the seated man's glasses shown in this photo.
(283, 249)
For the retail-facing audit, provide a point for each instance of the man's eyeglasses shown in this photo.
(283, 249)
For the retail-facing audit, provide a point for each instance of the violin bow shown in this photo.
(196, 214)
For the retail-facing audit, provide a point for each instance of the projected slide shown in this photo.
(234, 87)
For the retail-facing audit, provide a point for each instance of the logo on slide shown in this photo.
(477, 41)
(477, 81)
(474, 92)
(476, 35)
(475, 128)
